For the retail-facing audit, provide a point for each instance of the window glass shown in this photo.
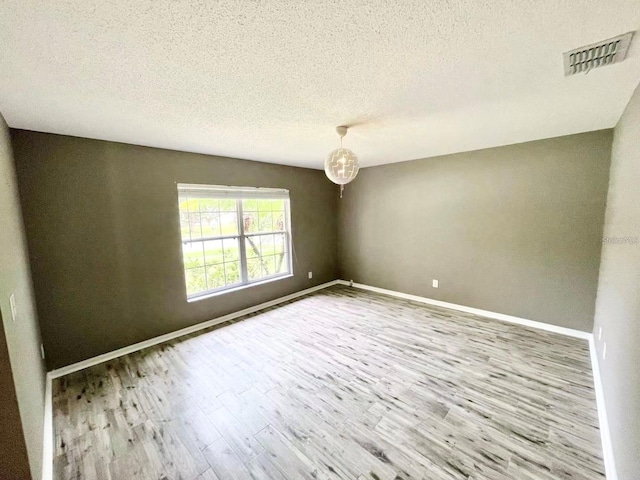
(228, 240)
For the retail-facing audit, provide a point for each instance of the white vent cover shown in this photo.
(596, 55)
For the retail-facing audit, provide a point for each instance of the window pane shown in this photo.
(209, 205)
(277, 205)
(250, 204)
(250, 222)
(264, 205)
(231, 249)
(192, 254)
(228, 205)
(278, 221)
(267, 245)
(229, 223)
(280, 243)
(188, 205)
(215, 276)
(213, 252)
(266, 221)
(254, 270)
(195, 279)
(282, 262)
(232, 272)
(210, 224)
(252, 247)
(268, 265)
(195, 225)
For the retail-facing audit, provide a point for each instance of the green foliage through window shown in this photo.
(228, 242)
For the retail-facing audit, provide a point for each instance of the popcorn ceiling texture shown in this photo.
(269, 80)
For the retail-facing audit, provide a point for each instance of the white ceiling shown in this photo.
(268, 80)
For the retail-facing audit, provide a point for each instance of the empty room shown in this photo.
(359, 240)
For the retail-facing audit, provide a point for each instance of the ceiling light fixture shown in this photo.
(341, 166)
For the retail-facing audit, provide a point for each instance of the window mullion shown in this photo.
(243, 253)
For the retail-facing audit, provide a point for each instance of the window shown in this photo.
(233, 236)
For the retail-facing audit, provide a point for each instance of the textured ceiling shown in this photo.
(268, 80)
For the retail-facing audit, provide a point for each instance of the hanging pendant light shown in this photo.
(341, 166)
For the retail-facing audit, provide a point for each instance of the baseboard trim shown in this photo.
(476, 311)
(105, 357)
(605, 433)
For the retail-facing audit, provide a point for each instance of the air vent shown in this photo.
(596, 55)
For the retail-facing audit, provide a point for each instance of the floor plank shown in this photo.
(340, 384)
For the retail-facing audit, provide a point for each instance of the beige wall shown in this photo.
(22, 337)
(514, 229)
(618, 304)
(104, 238)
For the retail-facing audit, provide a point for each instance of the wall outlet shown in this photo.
(310, 274)
(434, 283)
(600, 333)
(14, 310)
(604, 351)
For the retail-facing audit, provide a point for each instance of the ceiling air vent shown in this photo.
(596, 55)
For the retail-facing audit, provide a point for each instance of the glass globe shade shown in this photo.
(341, 166)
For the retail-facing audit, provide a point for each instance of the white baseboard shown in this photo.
(105, 357)
(476, 311)
(605, 433)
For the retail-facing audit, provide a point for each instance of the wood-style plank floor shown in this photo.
(341, 384)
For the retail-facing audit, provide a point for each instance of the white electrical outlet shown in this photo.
(310, 274)
(600, 333)
(604, 351)
(434, 283)
(14, 311)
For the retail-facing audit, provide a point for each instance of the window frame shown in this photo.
(236, 194)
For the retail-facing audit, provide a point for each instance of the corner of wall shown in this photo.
(615, 320)
(22, 334)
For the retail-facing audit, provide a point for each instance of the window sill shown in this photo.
(205, 296)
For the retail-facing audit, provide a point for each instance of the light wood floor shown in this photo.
(341, 384)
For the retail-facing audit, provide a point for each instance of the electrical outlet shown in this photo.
(604, 351)
(600, 333)
(14, 311)
(434, 283)
(310, 274)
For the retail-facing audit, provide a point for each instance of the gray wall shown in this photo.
(22, 338)
(618, 304)
(14, 460)
(515, 230)
(104, 238)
